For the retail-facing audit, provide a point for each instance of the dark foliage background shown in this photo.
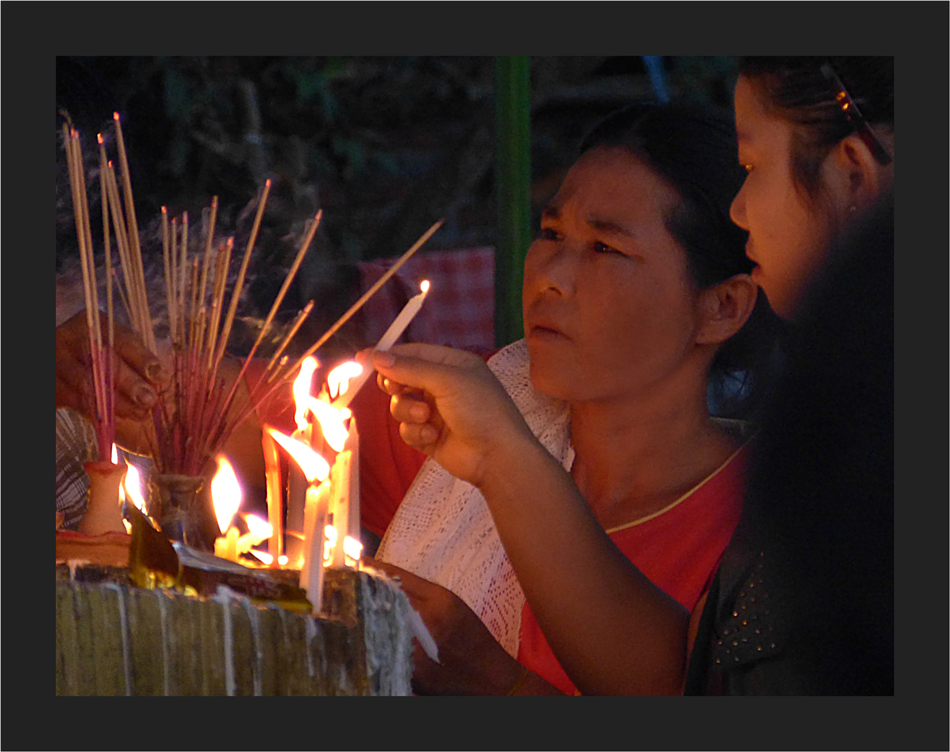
(384, 145)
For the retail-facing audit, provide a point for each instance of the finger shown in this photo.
(68, 395)
(423, 437)
(419, 366)
(139, 359)
(134, 396)
(388, 385)
(409, 407)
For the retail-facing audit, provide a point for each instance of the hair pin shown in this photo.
(851, 111)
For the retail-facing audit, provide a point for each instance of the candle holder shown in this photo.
(103, 511)
(182, 506)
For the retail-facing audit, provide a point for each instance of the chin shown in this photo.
(550, 381)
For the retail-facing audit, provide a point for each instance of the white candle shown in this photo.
(340, 503)
(297, 487)
(353, 511)
(406, 315)
(311, 574)
(275, 511)
(226, 547)
(388, 339)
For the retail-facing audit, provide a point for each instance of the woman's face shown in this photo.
(609, 306)
(788, 236)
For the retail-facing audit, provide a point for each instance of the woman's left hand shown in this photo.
(471, 661)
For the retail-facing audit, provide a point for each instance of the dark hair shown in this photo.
(796, 89)
(694, 149)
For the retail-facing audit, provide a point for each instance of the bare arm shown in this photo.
(613, 631)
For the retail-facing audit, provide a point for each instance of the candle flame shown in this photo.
(313, 466)
(225, 493)
(266, 558)
(301, 390)
(352, 548)
(338, 380)
(132, 486)
(329, 542)
(258, 529)
(331, 421)
(424, 286)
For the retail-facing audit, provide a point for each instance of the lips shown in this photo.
(544, 328)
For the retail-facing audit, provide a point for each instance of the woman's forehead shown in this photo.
(612, 184)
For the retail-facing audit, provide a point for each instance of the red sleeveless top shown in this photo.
(678, 549)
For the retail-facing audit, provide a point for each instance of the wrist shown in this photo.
(511, 462)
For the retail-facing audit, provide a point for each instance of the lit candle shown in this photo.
(257, 532)
(340, 504)
(275, 512)
(345, 500)
(353, 513)
(402, 320)
(226, 498)
(315, 469)
(296, 483)
(226, 546)
(388, 339)
(315, 522)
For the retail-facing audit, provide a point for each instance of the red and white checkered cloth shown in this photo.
(460, 308)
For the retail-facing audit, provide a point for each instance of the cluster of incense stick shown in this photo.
(102, 356)
(204, 404)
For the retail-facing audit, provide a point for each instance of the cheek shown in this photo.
(532, 263)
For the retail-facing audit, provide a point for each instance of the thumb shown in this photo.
(431, 368)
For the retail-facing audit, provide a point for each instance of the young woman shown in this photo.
(803, 602)
(550, 516)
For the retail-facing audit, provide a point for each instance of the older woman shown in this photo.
(579, 475)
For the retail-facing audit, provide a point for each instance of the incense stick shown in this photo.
(352, 310)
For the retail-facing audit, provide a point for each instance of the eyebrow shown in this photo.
(552, 211)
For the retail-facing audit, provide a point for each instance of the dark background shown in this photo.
(385, 146)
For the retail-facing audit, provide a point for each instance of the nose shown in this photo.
(549, 268)
(737, 209)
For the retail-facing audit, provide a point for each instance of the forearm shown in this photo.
(613, 631)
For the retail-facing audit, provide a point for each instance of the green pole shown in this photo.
(513, 191)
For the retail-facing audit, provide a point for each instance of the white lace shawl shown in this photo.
(443, 530)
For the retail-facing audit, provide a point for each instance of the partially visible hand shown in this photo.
(471, 662)
(140, 377)
(450, 406)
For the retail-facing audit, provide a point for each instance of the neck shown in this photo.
(633, 458)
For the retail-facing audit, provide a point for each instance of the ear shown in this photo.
(856, 177)
(725, 308)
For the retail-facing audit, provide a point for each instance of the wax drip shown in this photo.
(254, 616)
(124, 630)
(223, 596)
(311, 627)
(163, 612)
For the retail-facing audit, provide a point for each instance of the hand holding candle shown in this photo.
(388, 339)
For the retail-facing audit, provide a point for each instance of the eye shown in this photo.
(603, 248)
(549, 233)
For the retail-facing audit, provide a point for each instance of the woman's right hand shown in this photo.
(450, 406)
(140, 377)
